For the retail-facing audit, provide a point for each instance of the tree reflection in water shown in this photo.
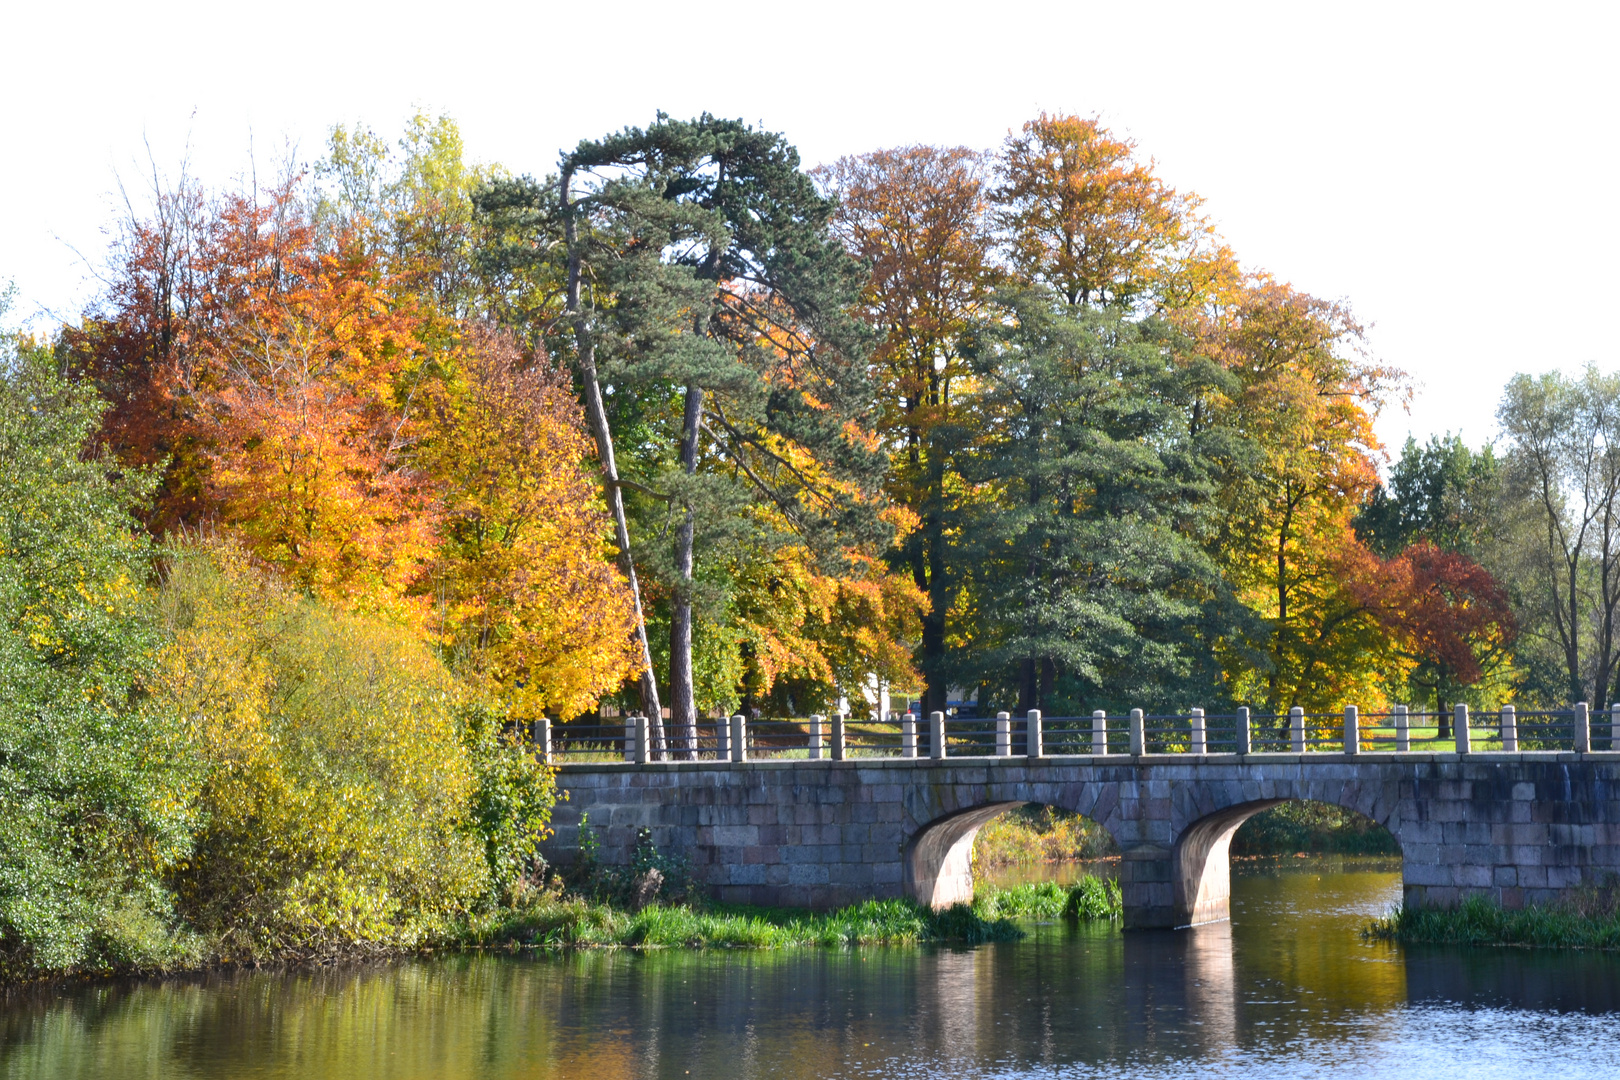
(1287, 987)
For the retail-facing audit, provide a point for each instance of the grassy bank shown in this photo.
(560, 921)
(1592, 921)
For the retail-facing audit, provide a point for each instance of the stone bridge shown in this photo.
(1517, 827)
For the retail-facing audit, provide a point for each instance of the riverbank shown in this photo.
(563, 921)
(1591, 922)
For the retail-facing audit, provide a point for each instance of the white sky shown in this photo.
(1447, 168)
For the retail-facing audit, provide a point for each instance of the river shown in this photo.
(1288, 988)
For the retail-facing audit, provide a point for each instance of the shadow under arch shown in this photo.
(938, 862)
(1201, 868)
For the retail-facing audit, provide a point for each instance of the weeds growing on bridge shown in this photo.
(1590, 921)
(556, 920)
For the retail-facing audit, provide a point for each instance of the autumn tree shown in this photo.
(917, 216)
(1450, 619)
(1083, 216)
(1305, 402)
(523, 592)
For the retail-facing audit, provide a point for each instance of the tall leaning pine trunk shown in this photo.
(596, 415)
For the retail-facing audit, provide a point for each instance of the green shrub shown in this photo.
(93, 805)
(1035, 834)
(353, 799)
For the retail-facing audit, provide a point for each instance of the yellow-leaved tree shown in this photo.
(525, 595)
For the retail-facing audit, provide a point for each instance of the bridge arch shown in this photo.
(938, 858)
(1170, 877)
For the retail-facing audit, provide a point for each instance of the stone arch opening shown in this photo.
(939, 860)
(1200, 863)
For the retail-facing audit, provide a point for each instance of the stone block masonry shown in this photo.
(1518, 828)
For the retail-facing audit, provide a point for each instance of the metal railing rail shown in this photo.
(937, 736)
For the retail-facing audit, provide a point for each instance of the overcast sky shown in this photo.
(1449, 169)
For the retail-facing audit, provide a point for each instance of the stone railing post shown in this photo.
(1296, 729)
(1614, 726)
(1199, 744)
(936, 735)
(643, 747)
(1583, 728)
(1403, 729)
(630, 738)
(1244, 739)
(739, 738)
(1352, 729)
(1510, 729)
(1034, 726)
(1003, 734)
(542, 739)
(722, 738)
(908, 735)
(1099, 731)
(837, 739)
(1459, 726)
(816, 721)
(1138, 734)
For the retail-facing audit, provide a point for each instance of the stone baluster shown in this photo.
(1245, 741)
(1003, 734)
(816, 721)
(722, 738)
(643, 728)
(1138, 733)
(1352, 729)
(542, 739)
(837, 740)
(908, 735)
(1403, 729)
(936, 735)
(1614, 726)
(1099, 731)
(1034, 730)
(1459, 727)
(739, 738)
(1296, 729)
(1583, 728)
(630, 738)
(1198, 744)
(1510, 729)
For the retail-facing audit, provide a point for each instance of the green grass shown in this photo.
(1591, 922)
(572, 922)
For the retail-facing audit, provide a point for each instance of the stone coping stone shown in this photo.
(1368, 757)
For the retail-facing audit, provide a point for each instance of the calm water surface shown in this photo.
(1287, 989)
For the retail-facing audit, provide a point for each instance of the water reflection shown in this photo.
(1287, 988)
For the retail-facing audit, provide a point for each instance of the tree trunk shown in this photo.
(596, 416)
(682, 698)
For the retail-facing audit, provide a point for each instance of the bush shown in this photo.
(352, 798)
(1034, 834)
(92, 783)
(1314, 827)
